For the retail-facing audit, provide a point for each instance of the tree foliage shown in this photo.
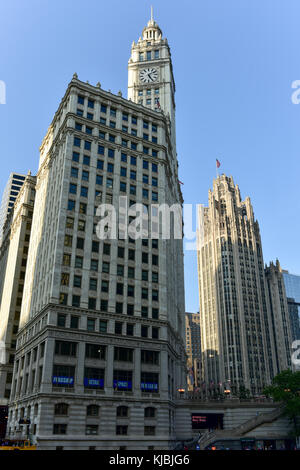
(285, 388)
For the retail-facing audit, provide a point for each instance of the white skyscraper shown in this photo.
(100, 350)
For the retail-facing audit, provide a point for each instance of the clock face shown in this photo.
(149, 75)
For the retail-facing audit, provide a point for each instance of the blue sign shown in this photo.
(98, 383)
(62, 380)
(122, 385)
(150, 387)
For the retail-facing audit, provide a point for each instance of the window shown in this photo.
(145, 165)
(104, 286)
(63, 298)
(110, 167)
(92, 305)
(61, 320)
(130, 309)
(106, 249)
(144, 293)
(91, 103)
(77, 142)
(93, 283)
(154, 167)
(121, 430)
(122, 380)
(155, 295)
(118, 328)
(113, 112)
(61, 409)
(91, 322)
(144, 312)
(75, 301)
(111, 138)
(80, 99)
(132, 174)
(65, 278)
(145, 194)
(66, 260)
(150, 357)
(80, 243)
(88, 130)
(130, 291)
(132, 189)
(155, 331)
(84, 191)
(100, 152)
(74, 322)
(155, 260)
(154, 181)
(144, 275)
(121, 252)
(112, 124)
(149, 430)
(154, 276)
(65, 348)
(111, 153)
(154, 315)
(133, 160)
(154, 196)
(123, 157)
(150, 412)
(129, 329)
(122, 412)
(120, 270)
(99, 179)
(119, 307)
(148, 55)
(105, 267)
(90, 116)
(73, 188)
(93, 410)
(95, 351)
(154, 153)
(103, 326)
(144, 331)
(59, 428)
(156, 54)
(78, 262)
(79, 112)
(123, 354)
(130, 272)
(134, 120)
(103, 108)
(85, 175)
(74, 172)
(149, 382)
(109, 183)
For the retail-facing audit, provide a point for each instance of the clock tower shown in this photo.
(150, 72)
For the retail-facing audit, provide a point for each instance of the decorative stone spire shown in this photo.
(152, 30)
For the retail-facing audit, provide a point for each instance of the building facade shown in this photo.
(100, 350)
(193, 349)
(10, 194)
(238, 348)
(292, 288)
(15, 244)
(280, 316)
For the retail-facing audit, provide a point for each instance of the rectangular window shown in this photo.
(123, 354)
(95, 351)
(100, 151)
(78, 262)
(122, 380)
(103, 326)
(65, 348)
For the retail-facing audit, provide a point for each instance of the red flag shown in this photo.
(180, 182)
(218, 163)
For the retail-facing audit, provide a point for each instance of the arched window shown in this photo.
(92, 410)
(61, 409)
(150, 412)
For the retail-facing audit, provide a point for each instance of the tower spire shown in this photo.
(151, 12)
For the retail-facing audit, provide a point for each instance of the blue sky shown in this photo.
(234, 63)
